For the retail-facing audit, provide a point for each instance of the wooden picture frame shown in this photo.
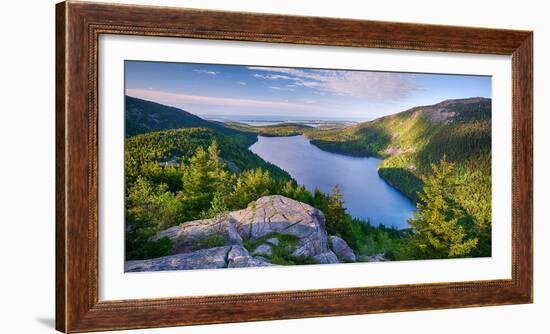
(78, 26)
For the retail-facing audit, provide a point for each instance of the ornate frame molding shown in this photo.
(78, 27)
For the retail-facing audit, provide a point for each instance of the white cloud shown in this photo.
(274, 77)
(185, 100)
(281, 88)
(207, 72)
(242, 83)
(374, 86)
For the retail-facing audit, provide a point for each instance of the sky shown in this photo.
(210, 90)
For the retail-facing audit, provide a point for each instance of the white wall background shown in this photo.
(27, 69)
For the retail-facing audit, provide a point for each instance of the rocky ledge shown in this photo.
(273, 230)
(209, 258)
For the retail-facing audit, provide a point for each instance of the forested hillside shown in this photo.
(159, 155)
(410, 141)
(162, 139)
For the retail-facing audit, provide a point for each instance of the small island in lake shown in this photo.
(225, 173)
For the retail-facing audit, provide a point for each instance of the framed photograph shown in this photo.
(222, 166)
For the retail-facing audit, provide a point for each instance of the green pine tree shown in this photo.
(251, 185)
(337, 222)
(438, 222)
(222, 179)
(217, 207)
(203, 178)
(149, 209)
(198, 186)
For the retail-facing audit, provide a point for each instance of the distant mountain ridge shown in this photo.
(474, 108)
(142, 116)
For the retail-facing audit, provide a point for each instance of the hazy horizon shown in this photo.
(211, 91)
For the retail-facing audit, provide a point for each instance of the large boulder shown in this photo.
(281, 215)
(206, 233)
(341, 249)
(218, 242)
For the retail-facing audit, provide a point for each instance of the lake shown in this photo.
(366, 194)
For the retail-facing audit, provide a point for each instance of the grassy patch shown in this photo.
(211, 241)
(282, 253)
(285, 241)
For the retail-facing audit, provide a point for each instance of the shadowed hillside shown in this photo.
(143, 116)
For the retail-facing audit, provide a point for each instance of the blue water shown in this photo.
(366, 195)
